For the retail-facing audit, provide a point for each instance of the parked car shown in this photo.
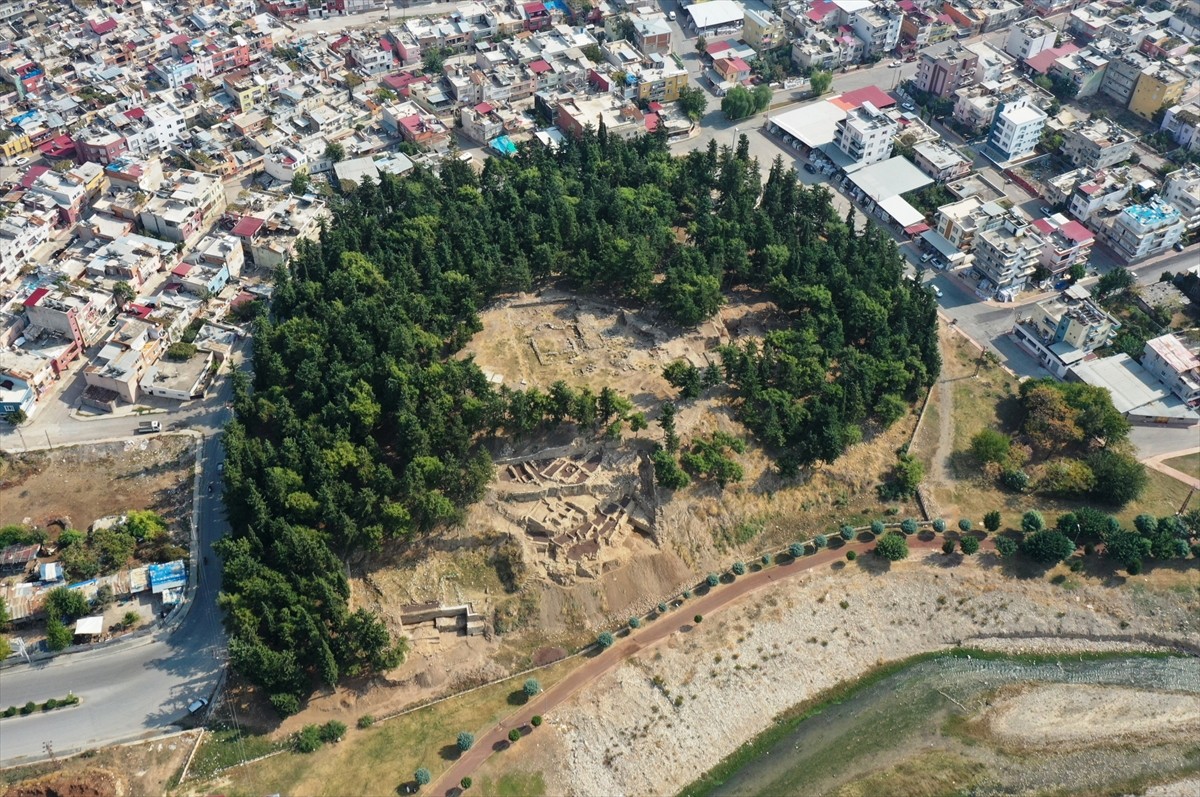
(21, 161)
(671, 15)
(908, 106)
(925, 258)
(197, 705)
(808, 167)
(1046, 210)
(936, 291)
(893, 64)
(1178, 247)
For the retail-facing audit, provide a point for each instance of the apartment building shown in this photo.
(1064, 331)
(1140, 231)
(762, 29)
(246, 90)
(1016, 127)
(20, 235)
(1097, 144)
(1159, 85)
(1027, 39)
(1182, 189)
(574, 114)
(878, 27)
(959, 222)
(480, 122)
(66, 192)
(78, 315)
(940, 161)
(866, 134)
(1064, 243)
(184, 206)
(130, 258)
(1182, 123)
(651, 34)
(1085, 68)
(1088, 192)
(1175, 366)
(1006, 256)
(270, 239)
(1122, 76)
(134, 346)
(946, 67)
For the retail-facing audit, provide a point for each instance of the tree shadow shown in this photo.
(875, 565)
(449, 752)
(926, 535)
(838, 565)
(503, 744)
(517, 697)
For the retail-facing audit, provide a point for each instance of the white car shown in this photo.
(936, 291)
(925, 258)
(893, 65)
(21, 161)
(671, 15)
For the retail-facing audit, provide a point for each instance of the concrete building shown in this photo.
(1064, 331)
(1182, 189)
(1160, 85)
(1182, 123)
(1084, 68)
(184, 206)
(878, 27)
(133, 347)
(1064, 243)
(1006, 256)
(866, 134)
(716, 17)
(1136, 393)
(1027, 39)
(1140, 231)
(941, 161)
(1175, 366)
(20, 235)
(944, 68)
(178, 380)
(959, 222)
(1096, 144)
(78, 315)
(130, 258)
(1016, 128)
(1122, 76)
(763, 30)
(575, 114)
(1086, 192)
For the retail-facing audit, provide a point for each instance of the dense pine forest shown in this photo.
(360, 426)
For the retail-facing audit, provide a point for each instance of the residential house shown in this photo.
(1027, 39)
(134, 345)
(959, 222)
(1016, 127)
(1085, 69)
(878, 26)
(1160, 85)
(575, 114)
(762, 29)
(20, 235)
(940, 161)
(866, 134)
(1006, 256)
(1064, 243)
(130, 258)
(1175, 366)
(1182, 123)
(944, 68)
(1182, 189)
(480, 123)
(184, 206)
(78, 315)
(651, 33)
(1088, 192)
(271, 238)
(1122, 75)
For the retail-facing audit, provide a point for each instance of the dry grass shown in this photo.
(378, 760)
(1188, 463)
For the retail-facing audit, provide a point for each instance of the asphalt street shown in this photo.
(141, 687)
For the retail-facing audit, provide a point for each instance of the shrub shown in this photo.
(687, 594)
(536, 720)
(514, 735)
(739, 568)
(1134, 567)
(1006, 546)
(908, 526)
(308, 740)
(851, 555)
(1047, 547)
(847, 533)
(605, 640)
(939, 525)
(662, 608)
(58, 635)
(422, 777)
(285, 704)
(50, 705)
(969, 545)
(767, 560)
(991, 521)
(698, 619)
(713, 579)
(130, 619)
(948, 547)
(465, 783)
(1032, 521)
(11, 711)
(892, 546)
(796, 550)
(635, 622)
(333, 731)
(366, 721)
(533, 686)
(990, 446)
(964, 524)
(465, 741)
(28, 708)
(877, 527)
(820, 541)
(1015, 479)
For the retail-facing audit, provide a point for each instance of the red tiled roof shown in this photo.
(35, 297)
(872, 94)
(534, 8)
(31, 176)
(717, 47)
(483, 108)
(385, 43)
(100, 28)
(654, 106)
(182, 269)
(247, 226)
(135, 113)
(1042, 62)
(1076, 232)
(1089, 188)
(139, 310)
(180, 39)
(739, 65)
(539, 66)
(651, 122)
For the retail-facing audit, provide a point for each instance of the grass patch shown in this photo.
(227, 746)
(377, 760)
(512, 784)
(1188, 463)
(931, 774)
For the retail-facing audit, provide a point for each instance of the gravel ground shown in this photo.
(657, 722)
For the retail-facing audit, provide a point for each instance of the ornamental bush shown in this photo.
(847, 533)
(820, 540)
(877, 527)
(635, 622)
(939, 525)
(739, 568)
(908, 526)
(605, 640)
(969, 545)
(466, 740)
(964, 525)
(796, 550)
(713, 579)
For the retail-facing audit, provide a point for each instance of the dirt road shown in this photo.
(678, 621)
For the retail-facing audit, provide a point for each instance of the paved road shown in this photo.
(142, 687)
(678, 621)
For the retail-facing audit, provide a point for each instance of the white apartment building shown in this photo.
(1139, 231)
(1063, 331)
(1007, 256)
(1027, 39)
(1096, 144)
(184, 206)
(1016, 128)
(878, 27)
(1179, 369)
(20, 235)
(1182, 122)
(866, 134)
(1182, 189)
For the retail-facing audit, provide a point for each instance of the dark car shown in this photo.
(808, 167)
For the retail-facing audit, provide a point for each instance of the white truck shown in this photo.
(149, 427)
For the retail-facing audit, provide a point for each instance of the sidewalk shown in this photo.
(1156, 462)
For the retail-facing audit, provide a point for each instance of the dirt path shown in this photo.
(945, 443)
(1156, 462)
(680, 620)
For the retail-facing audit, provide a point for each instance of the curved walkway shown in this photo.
(1157, 463)
(678, 620)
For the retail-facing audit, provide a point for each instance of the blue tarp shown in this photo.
(503, 145)
(170, 575)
